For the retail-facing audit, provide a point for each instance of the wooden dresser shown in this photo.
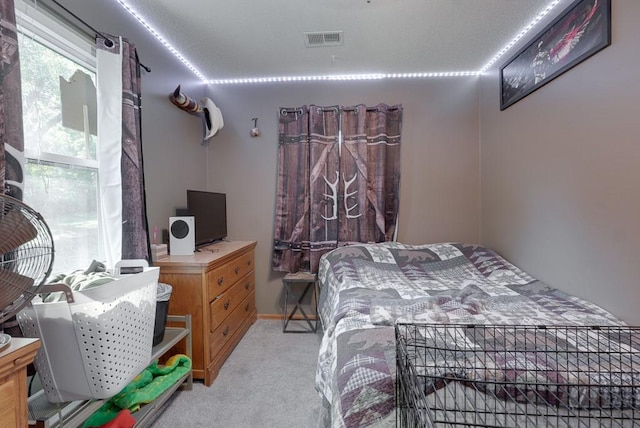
(217, 287)
(13, 381)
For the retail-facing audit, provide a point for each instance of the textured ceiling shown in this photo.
(259, 38)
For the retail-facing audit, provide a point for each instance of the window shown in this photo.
(59, 119)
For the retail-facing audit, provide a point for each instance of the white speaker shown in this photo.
(182, 233)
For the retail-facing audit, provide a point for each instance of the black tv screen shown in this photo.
(209, 210)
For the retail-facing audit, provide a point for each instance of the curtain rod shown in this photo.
(352, 109)
(108, 43)
(335, 109)
(389, 108)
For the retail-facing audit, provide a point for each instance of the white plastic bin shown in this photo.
(93, 346)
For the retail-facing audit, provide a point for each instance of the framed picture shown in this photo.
(583, 29)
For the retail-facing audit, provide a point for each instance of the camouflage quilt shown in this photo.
(366, 289)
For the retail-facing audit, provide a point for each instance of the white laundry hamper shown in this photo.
(96, 342)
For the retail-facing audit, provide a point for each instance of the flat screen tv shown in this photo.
(209, 210)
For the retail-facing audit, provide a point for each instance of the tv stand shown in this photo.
(216, 285)
(205, 247)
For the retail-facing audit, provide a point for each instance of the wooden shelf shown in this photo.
(43, 414)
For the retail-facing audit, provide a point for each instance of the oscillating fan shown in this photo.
(26, 257)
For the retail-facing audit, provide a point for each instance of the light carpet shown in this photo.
(268, 381)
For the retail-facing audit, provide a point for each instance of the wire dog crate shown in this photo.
(517, 376)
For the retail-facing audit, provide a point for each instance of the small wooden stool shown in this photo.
(308, 280)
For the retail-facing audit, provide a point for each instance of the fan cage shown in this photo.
(25, 260)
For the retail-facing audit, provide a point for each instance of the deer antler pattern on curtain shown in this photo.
(338, 181)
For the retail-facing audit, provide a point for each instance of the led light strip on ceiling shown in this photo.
(520, 35)
(161, 39)
(329, 77)
(371, 76)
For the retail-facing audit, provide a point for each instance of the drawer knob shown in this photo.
(21, 361)
(226, 305)
(237, 270)
(246, 308)
(247, 285)
(220, 280)
(248, 262)
(226, 331)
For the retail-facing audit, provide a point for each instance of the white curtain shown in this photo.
(109, 93)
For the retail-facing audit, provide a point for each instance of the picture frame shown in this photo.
(581, 30)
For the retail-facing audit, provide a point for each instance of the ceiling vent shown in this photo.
(323, 38)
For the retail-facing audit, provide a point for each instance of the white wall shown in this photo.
(560, 174)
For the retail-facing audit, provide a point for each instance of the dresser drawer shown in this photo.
(231, 324)
(11, 406)
(225, 303)
(218, 280)
(241, 266)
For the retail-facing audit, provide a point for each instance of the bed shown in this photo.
(366, 289)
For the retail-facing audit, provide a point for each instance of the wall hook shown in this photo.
(255, 132)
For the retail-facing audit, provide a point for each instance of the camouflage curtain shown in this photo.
(370, 170)
(338, 181)
(135, 237)
(11, 136)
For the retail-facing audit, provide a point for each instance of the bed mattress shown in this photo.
(366, 289)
